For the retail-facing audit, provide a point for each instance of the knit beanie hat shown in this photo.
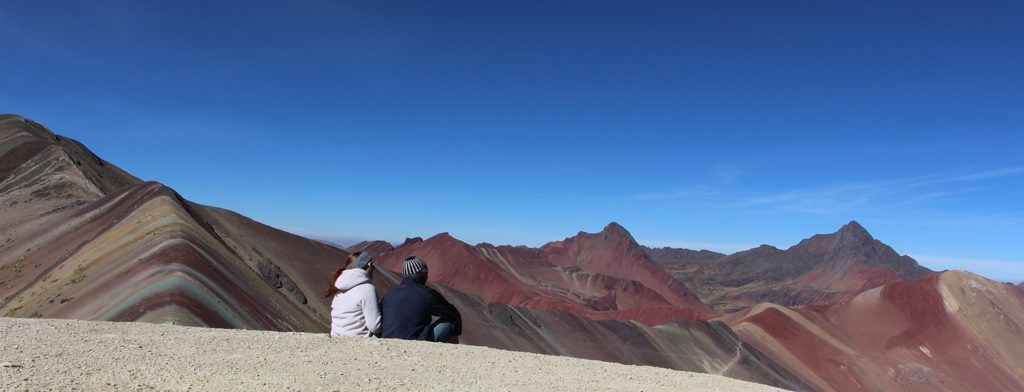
(362, 262)
(413, 266)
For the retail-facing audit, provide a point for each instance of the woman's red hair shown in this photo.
(331, 290)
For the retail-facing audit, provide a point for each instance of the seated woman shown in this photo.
(355, 310)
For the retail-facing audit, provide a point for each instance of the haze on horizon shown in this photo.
(720, 126)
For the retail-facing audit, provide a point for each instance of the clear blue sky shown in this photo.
(712, 124)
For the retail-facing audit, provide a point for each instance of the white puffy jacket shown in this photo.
(355, 311)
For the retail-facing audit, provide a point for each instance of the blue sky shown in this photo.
(719, 125)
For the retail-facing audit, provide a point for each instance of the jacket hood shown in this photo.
(351, 278)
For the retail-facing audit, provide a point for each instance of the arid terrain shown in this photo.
(62, 355)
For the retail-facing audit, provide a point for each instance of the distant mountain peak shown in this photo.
(443, 234)
(613, 229)
(446, 240)
(855, 230)
(613, 226)
(411, 241)
(763, 249)
(854, 237)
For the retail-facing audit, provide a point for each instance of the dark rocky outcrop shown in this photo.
(374, 247)
(670, 256)
(821, 269)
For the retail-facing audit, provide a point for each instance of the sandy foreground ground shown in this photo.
(40, 354)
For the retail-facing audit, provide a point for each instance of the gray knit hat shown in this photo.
(362, 262)
(413, 266)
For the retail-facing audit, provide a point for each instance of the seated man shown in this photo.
(407, 309)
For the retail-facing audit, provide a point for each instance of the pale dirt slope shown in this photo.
(42, 354)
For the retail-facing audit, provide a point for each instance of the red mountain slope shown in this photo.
(953, 331)
(701, 346)
(602, 276)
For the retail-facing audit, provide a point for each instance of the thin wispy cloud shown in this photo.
(949, 178)
(938, 195)
(718, 178)
(998, 221)
(1009, 171)
(727, 173)
(846, 197)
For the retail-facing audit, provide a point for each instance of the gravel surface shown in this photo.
(40, 354)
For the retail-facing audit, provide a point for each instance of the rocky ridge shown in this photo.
(822, 269)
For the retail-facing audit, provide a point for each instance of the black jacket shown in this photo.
(406, 311)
